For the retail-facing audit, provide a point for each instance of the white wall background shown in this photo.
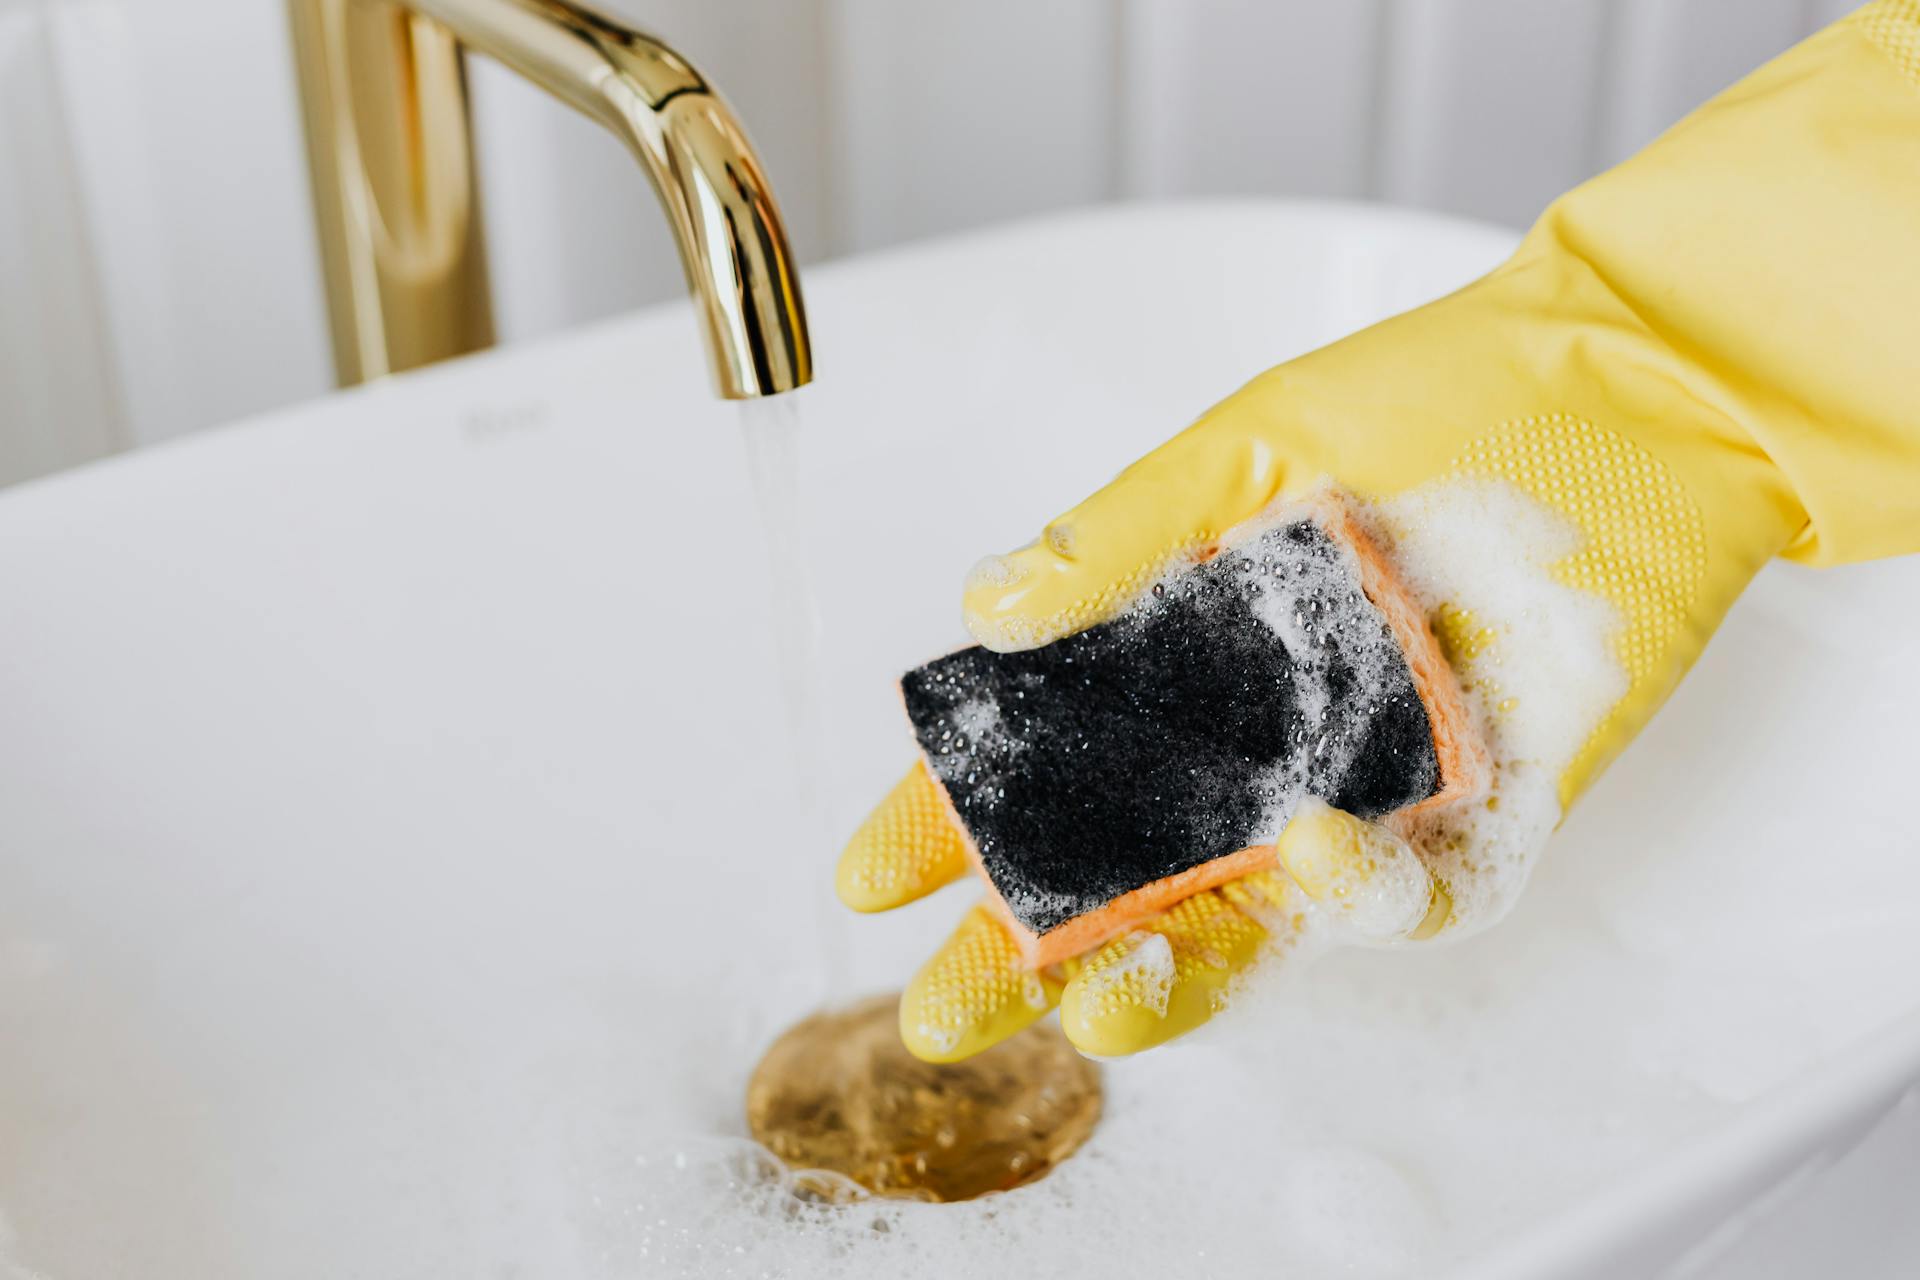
(157, 269)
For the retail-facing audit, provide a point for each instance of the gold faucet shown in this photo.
(397, 207)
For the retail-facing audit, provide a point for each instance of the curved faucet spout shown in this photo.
(398, 208)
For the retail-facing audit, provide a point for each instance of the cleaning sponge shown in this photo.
(1101, 778)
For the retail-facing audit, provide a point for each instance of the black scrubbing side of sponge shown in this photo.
(1180, 732)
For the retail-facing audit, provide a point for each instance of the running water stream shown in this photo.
(770, 429)
(838, 1091)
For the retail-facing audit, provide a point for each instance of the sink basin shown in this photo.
(400, 871)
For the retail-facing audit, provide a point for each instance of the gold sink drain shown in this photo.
(838, 1091)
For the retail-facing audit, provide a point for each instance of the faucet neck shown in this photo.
(397, 203)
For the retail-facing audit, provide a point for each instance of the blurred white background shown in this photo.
(157, 266)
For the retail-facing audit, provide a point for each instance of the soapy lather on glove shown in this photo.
(1695, 362)
(1104, 777)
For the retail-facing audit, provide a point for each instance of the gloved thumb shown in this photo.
(1091, 562)
(1371, 880)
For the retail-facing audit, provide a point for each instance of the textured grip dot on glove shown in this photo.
(1644, 545)
(905, 849)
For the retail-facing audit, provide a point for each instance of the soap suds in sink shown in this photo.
(1385, 1113)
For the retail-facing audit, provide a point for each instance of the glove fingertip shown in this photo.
(972, 993)
(1369, 875)
(907, 848)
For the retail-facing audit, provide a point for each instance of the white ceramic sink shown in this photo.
(393, 817)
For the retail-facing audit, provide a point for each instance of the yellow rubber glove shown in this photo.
(1702, 359)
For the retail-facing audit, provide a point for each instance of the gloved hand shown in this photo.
(1693, 363)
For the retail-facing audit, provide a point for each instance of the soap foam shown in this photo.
(1540, 681)
(1373, 1114)
(722, 1209)
(1347, 662)
(1383, 893)
(994, 571)
(1182, 730)
(1539, 677)
(1142, 976)
(1331, 1100)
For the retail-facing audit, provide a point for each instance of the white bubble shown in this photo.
(994, 571)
